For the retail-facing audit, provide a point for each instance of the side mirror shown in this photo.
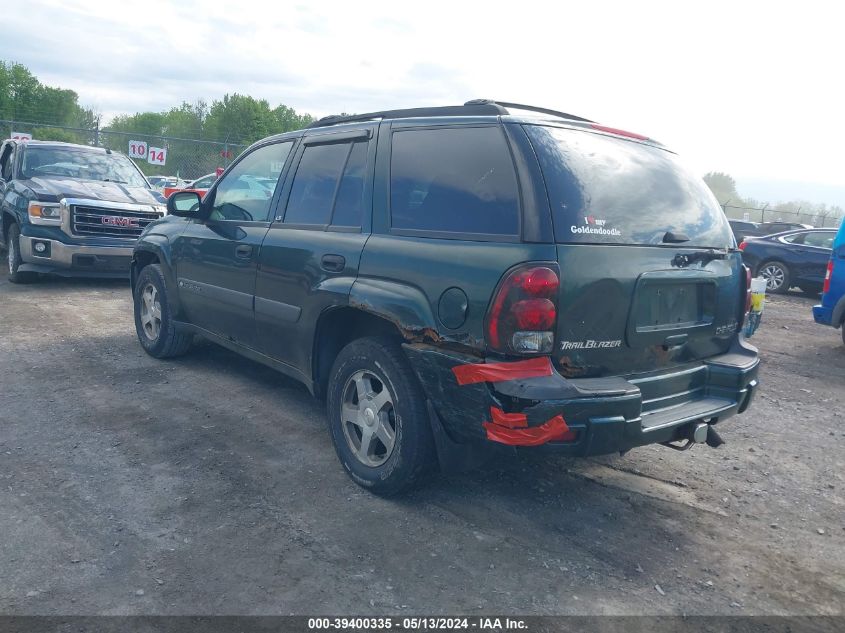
(183, 203)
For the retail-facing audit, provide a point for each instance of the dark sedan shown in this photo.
(793, 258)
(742, 229)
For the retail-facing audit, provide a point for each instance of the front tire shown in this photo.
(776, 275)
(377, 417)
(13, 257)
(153, 317)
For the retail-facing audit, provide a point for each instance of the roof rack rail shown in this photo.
(475, 107)
(522, 106)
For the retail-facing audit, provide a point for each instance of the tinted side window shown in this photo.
(245, 193)
(349, 201)
(459, 180)
(314, 185)
(6, 161)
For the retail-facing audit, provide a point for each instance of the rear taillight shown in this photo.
(523, 312)
(827, 277)
(742, 245)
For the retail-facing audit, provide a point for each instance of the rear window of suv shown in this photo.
(607, 190)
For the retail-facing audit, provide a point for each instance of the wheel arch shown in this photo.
(335, 329)
(839, 313)
(7, 220)
(155, 249)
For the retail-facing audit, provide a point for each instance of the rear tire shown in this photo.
(378, 418)
(153, 317)
(776, 275)
(13, 257)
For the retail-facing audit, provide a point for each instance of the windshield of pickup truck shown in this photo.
(85, 165)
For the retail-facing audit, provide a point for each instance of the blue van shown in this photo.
(831, 311)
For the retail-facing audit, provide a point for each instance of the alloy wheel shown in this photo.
(12, 256)
(774, 276)
(150, 312)
(368, 418)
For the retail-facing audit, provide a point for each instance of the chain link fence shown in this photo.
(816, 218)
(184, 158)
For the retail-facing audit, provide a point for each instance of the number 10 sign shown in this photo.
(137, 149)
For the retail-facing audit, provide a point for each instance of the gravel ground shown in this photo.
(208, 485)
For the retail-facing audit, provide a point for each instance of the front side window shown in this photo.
(46, 162)
(455, 180)
(246, 192)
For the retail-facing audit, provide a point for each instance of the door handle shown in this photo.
(333, 263)
(243, 251)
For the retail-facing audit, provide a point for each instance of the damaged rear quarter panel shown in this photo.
(428, 267)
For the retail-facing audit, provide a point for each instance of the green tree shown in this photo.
(723, 186)
(24, 98)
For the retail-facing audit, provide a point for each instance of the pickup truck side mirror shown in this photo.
(183, 203)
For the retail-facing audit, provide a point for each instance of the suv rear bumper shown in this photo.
(608, 414)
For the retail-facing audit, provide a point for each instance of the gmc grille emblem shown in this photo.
(115, 220)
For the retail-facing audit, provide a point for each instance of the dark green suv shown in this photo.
(461, 278)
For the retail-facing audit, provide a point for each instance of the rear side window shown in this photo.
(822, 240)
(606, 190)
(454, 180)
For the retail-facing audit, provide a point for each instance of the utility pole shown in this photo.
(763, 212)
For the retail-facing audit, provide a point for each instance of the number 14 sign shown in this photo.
(157, 156)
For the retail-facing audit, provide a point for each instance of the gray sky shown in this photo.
(750, 88)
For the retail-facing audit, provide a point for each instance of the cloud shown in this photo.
(695, 77)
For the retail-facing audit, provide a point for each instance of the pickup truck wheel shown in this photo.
(153, 319)
(13, 256)
(377, 417)
(776, 275)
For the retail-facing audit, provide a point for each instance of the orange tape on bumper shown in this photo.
(499, 372)
(510, 420)
(555, 430)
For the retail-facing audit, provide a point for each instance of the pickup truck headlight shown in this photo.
(45, 213)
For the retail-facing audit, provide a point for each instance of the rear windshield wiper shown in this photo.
(674, 238)
(682, 260)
